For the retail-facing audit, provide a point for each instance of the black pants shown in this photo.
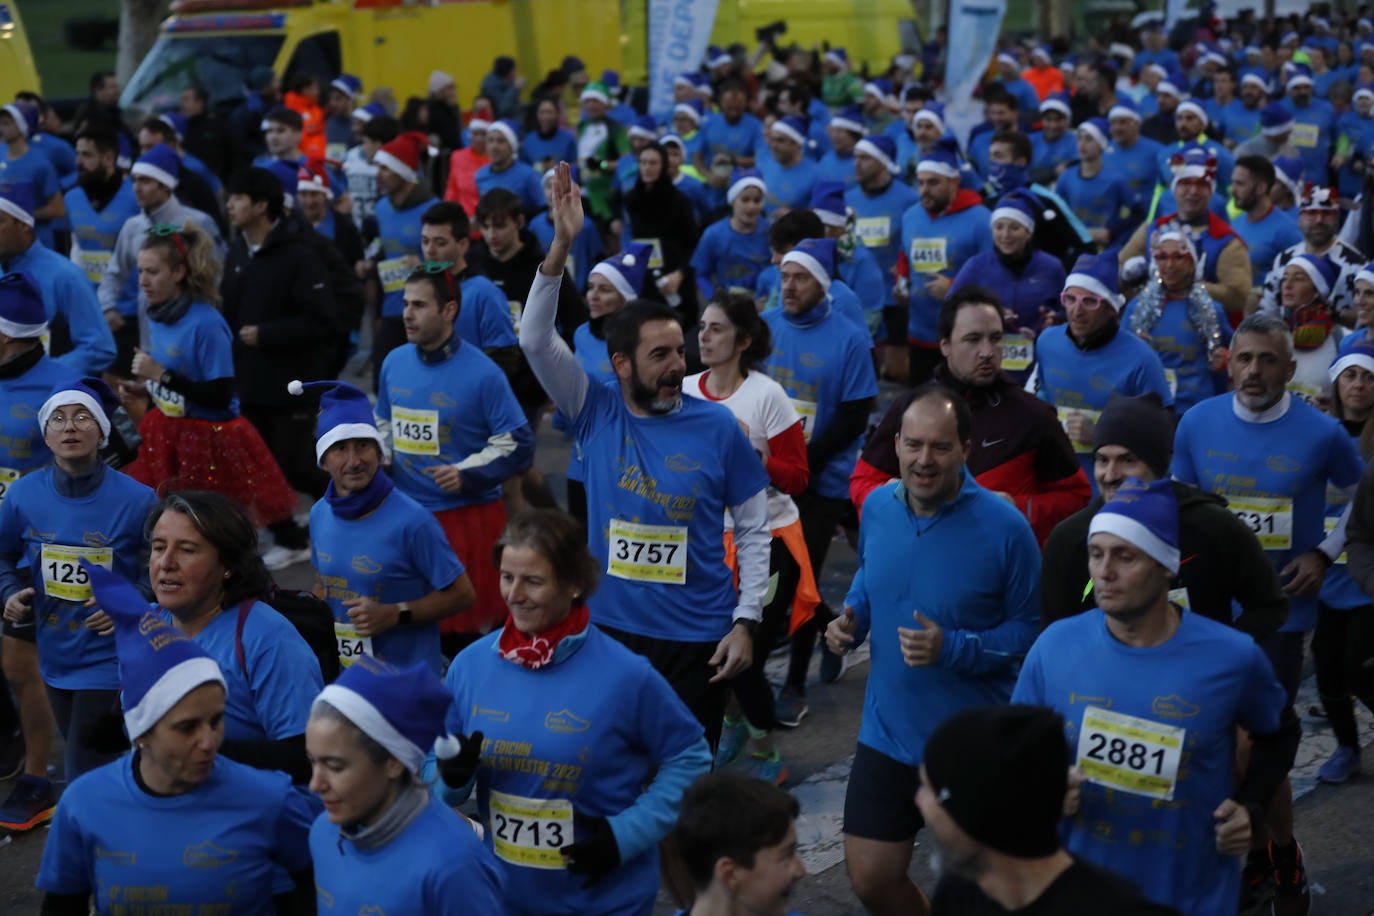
(389, 334)
(819, 517)
(290, 437)
(684, 666)
(752, 690)
(1343, 649)
(922, 363)
(75, 712)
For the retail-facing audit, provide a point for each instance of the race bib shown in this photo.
(168, 401)
(7, 477)
(873, 231)
(1082, 448)
(515, 309)
(1308, 393)
(1016, 353)
(648, 553)
(63, 576)
(351, 645)
(655, 254)
(93, 264)
(1171, 379)
(531, 831)
(335, 151)
(393, 272)
(927, 255)
(1305, 135)
(415, 432)
(1329, 524)
(1179, 596)
(807, 411)
(1270, 519)
(1128, 753)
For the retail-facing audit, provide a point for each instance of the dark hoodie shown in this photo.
(515, 276)
(1221, 561)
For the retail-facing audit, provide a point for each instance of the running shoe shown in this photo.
(31, 803)
(790, 707)
(734, 735)
(279, 557)
(769, 768)
(1292, 897)
(833, 666)
(1257, 884)
(1341, 765)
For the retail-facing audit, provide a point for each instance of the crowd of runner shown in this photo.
(1123, 483)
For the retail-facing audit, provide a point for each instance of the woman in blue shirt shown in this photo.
(173, 822)
(193, 436)
(384, 844)
(578, 749)
(75, 509)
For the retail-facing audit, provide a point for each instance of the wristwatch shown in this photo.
(750, 626)
(404, 617)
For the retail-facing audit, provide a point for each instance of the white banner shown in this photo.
(973, 29)
(679, 31)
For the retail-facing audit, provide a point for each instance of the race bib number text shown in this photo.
(415, 432)
(63, 576)
(393, 273)
(873, 231)
(351, 645)
(1016, 353)
(807, 411)
(1270, 519)
(168, 401)
(648, 553)
(927, 255)
(1129, 753)
(1082, 448)
(531, 831)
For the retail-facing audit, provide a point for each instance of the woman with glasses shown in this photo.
(74, 509)
(193, 435)
(1189, 330)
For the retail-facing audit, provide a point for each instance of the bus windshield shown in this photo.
(218, 64)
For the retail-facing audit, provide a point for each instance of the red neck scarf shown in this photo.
(535, 651)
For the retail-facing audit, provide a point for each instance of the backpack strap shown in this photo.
(245, 606)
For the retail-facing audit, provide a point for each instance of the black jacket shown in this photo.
(515, 277)
(284, 290)
(1221, 561)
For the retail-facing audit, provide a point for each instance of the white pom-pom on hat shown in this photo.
(628, 260)
(446, 747)
(295, 387)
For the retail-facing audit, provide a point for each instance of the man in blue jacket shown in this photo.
(947, 585)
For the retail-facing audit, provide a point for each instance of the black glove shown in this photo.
(458, 766)
(595, 854)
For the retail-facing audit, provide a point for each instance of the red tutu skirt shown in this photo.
(472, 532)
(226, 457)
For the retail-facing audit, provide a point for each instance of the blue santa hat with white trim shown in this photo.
(716, 56)
(345, 413)
(934, 112)
(1019, 206)
(692, 108)
(177, 122)
(161, 163)
(508, 129)
(17, 201)
(91, 393)
(1097, 274)
(850, 118)
(882, 148)
(644, 127)
(1360, 354)
(1144, 515)
(369, 111)
(1056, 101)
(158, 665)
(839, 57)
(22, 314)
(817, 256)
(827, 202)
(1099, 130)
(794, 128)
(740, 179)
(1275, 119)
(25, 116)
(348, 84)
(1124, 108)
(402, 709)
(1319, 269)
(882, 90)
(942, 159)
(1299, 75)
(626, 270)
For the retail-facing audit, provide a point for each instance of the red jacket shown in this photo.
(312, 124)
(462, 179)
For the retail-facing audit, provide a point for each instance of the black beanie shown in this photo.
(1001, 772)
(1140, 424)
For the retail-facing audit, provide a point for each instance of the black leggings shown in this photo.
(819, 517)
(1343, 649)
(75, 712)
(752, 690)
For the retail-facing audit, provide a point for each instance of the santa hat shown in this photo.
(1018, 206)
(1194, 163)
(645, 128)
(17, 201)
(1009, 59)
(793, 128)
(839, 57)
(1097, 274)
(345, 413)
(1144, 515)
(1153, 67)
(1172, 233)
(1275, 119)
(827, 202)
(177, 122)
(508, 129)
(1319, 197)
(369, 111)
(664, 141)
(314, 176)
(817, 256)
(1319, 270)
(91, 393)
(626, 270)
(1257, 81)
(1121, 49)
(718, 57)
(1361, 354)
(22, 314)
(1042, 52)
(692, 108)
(1289, 36)
(685, 80)
(934, 112)
(1366, 274)
(1191, 106)
(1099, 129)
(741, 179)
(1288, 170)
(882, 148)
(1300, 75)
(1124, 108)
(402, 709)
(161, 163)
(881, 89)
(1365, 90)
(1056, 101)
(477, 124)
(348, 84)
(850, 118)
(158, 665)
(439, 81)
(25, 116)
(942, 159)
(596, 91)
(402, 155)
(1168, 86)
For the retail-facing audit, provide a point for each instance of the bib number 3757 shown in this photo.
(647, 553)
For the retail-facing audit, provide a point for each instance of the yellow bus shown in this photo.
(17, 71)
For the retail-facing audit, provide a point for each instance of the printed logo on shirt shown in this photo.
(115, 856)
(372, 911)
(564, 722)
(495, 715)
(681, 463)
(22, 412)
(1282, 464)
(1101, 383)
(207, 855)
(441, 400)
(1094, 701)
(1174, 707)
(811, 361)
(365, 565)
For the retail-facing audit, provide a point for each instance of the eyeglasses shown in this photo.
(82, 420)
(165, 231)
(1087, 303)
(440, 267)
(1165, 257)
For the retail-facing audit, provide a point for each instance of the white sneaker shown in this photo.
(280, 557)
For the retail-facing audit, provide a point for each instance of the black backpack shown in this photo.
(311, 617)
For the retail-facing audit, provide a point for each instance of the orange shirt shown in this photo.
(1044, 80)
(312, 123)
